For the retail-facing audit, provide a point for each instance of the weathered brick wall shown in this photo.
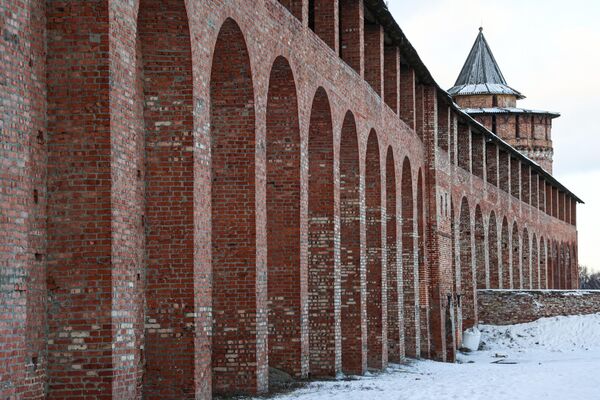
(225, 192)
(23, 199)
(504, 307)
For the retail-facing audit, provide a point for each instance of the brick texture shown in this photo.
(505, 307)
(196, 192)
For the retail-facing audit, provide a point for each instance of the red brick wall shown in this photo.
(215, 206)
(23, 200)
(505, 307)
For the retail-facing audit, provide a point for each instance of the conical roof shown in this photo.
(481, 73)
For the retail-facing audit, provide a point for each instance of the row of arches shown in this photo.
(493, 256)
(331, 293)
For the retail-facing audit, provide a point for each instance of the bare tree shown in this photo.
(587, 279)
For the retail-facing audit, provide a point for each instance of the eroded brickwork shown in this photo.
(505, 307)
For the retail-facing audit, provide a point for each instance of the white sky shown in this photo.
(549, 50)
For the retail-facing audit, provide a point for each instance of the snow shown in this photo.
(552, 358)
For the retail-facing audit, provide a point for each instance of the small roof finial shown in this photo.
(481, 29)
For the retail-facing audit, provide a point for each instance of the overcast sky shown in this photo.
(548, 50)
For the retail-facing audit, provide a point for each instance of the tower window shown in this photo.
(517, 127)
(495, 101)
(494, 123)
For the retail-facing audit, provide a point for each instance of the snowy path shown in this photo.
(556, 358)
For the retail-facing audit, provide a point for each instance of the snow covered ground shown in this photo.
(552, 358)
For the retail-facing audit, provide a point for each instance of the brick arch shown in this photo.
(423, 272)
(568, 274)
(563, 266)
(284, 275)
(481, 272)
(352, 307)
(535, 263)
(492, 245)
(543, 264)
(525, 261)
(453, 333)
(233, 188)
(375, 337)
(550, 263)
(321, 277)
(236, 317)
(409, 270)
(165, 85)
(394, 336)
(505, 255)
(516, 256)
(466, 266)
(555, 265)
(574, 267)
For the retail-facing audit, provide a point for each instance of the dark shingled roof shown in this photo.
(481, 73)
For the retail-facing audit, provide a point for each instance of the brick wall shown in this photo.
(504, 307)
(197, 191)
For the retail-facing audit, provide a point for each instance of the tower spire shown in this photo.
(481, 74)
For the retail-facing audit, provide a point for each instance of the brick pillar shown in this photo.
(23, 199)
(437, 234)
(94, 218)
(491, 163)
(391, 77)
(326, 22)
(419, 110)
(374, 56)
(443, 134)
(478, 155)
(351, 17)
(407, 95)
(464, 147)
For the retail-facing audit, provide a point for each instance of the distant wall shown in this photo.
(504, 307)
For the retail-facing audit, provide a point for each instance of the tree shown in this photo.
(587, 279)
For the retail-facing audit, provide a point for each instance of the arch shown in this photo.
(374, 304)
(423, 348)
(409, 267)
(321, 277)
(568, 274)
(505, 256)
(492, 243)
(550, 263)
(555, 266)
(352, 304)
(563, 266)
(543, 264)
(453, 333)
(237, 343)
(535, 263)
(395, 351)
(574, 267)
(165, 84)
(516, 257)
(283, 222)
(466, 267)
(481, 271)
(525, 261)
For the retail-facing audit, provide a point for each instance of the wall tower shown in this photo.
(482, 92)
